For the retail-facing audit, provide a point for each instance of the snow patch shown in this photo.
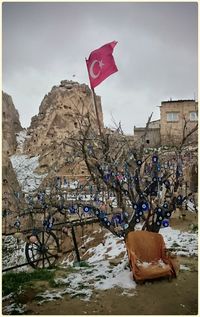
(183, 243)
(20, 138)
(24, 167)
(15, 308)
(184, 268)
(112, 248)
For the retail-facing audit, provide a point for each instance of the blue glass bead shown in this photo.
(154, 159)
(86, 209)
(139, 162)
(144, 206)
(165, 223)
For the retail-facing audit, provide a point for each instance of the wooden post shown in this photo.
(96, 109)
(75, 245)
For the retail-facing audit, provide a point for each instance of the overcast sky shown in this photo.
(156, 54)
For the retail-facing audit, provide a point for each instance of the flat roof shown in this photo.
(179, 100)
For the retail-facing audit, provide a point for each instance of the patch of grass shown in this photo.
(81, 264)
(194, 227)
(11, 282)
(54, 284)
(70, 269)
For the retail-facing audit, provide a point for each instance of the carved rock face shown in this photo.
(10, 124)
(61, 113)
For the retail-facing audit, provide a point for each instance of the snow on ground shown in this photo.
(184, 243)
(13, 251)
(112, 247)
(104, 273)
(24, 167)
(108, 268)
(100, 274)
(15, 308)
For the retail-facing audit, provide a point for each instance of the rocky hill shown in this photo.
(61, 113)
(10, 127)
(10, 185)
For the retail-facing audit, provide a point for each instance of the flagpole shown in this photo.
(96, 109)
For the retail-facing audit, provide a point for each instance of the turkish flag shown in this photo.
(101, 64)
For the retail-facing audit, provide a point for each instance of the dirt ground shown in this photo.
(160, 297)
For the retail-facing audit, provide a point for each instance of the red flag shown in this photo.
(101, 64)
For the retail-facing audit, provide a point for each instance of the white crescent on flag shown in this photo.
(92, 74)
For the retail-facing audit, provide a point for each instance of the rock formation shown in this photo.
(10, 124)
(10, 185)
(61, 113)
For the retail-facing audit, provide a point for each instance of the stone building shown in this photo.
(152, 138)
(177, 117)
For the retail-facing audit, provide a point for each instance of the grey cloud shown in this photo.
(44, 43)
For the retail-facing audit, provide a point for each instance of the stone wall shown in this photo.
(152, 138)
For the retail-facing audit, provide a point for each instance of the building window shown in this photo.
(172, 116)
(193, 116)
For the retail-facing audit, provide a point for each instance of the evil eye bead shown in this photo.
(107, 177)
(144, 206)
(119, 218)
(165, 205)
(179, 198)
(72, 210)
(126, 226)
(86, 209)
(168, 214)
(139, 162)
(165, 223)
(154, 159)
